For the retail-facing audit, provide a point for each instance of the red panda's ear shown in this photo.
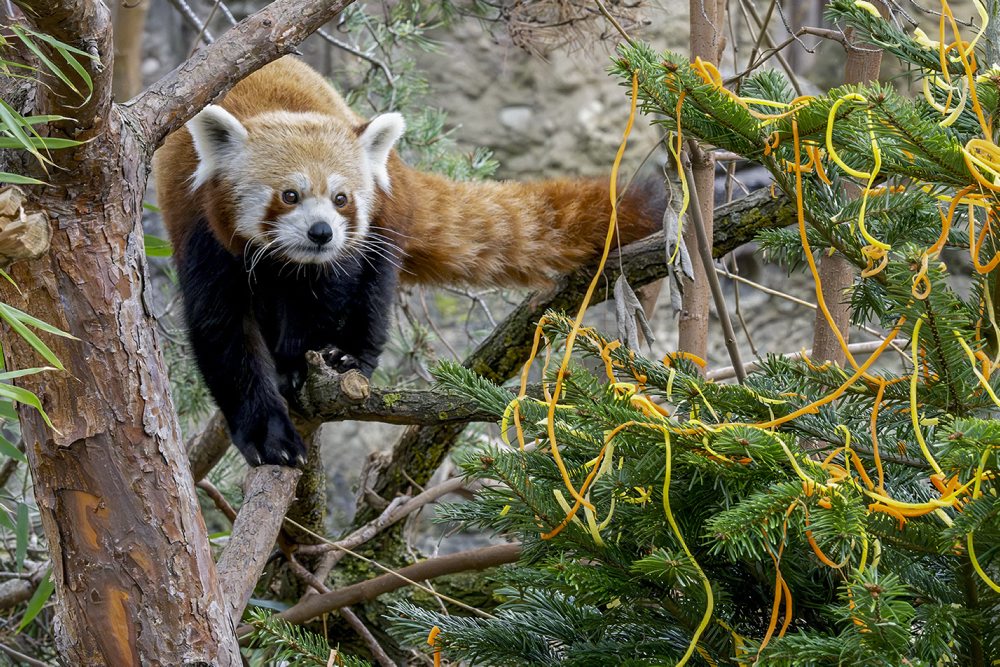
(218, 140)
(377, 138)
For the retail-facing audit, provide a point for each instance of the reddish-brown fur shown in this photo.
(480, 233)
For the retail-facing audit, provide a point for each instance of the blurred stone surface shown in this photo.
(557, 116)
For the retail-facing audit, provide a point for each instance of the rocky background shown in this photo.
(556, 113)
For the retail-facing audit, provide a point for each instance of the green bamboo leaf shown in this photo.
(10, 450)
(7, 411)
(51, 66)
(146, 206)
(65, 50)
(48, 143)
(10, 375)
(6, 276)
(5, 64)
(9, 121)
(29, 337)
(16, 179)
(44, 118)
(157, 247)
(5, 519)
(37, 601)
(20, 395)
(21, 531)
(37, 323)
(49, 39)
(79, 69)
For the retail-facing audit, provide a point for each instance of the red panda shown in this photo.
(292, 219)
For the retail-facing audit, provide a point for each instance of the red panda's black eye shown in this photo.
(340, 200)
(290, 197)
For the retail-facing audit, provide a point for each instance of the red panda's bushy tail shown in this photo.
(508, 234)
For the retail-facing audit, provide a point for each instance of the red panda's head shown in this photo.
(301, 185)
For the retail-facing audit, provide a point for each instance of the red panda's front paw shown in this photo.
(340, 361)
(271, 440)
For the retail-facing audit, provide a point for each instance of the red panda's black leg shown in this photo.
(232, 355)
(366, 324)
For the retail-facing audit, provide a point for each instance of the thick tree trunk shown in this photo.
(129, 20)
(135, 582)
(707, 40)
(112, 484)
(836, 273)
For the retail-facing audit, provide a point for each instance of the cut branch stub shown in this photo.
(327, 389)
(23, 234)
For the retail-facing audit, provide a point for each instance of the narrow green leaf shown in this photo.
(4, 64)
(29, 337)
(146, 206)
(6, 276)
(42, 119)
(10, 122)
(49, 39)
(7, 411)
(37, 323)
(48, 143)
(5, 518)
(10, 375)
(79, 69)
(24, 396)
(157, 247)
(16, 179)
(51, 66)
(10, 450)
(37, 601)
(21, 532)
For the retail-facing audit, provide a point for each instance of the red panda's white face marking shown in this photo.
(303, 185)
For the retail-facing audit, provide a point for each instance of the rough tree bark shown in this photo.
(836, 273)
(135, 583)
(707, 30)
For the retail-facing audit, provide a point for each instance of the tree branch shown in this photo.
(398, 510)
(213, 69)
(464, 561)
(420, 450)
(206, 449)
(269, 492)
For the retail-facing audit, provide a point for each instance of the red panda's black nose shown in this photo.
(320, 233)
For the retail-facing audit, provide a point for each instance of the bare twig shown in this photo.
(185, 10)
(354, 51)
(220, 500)
(20, 657)
(316, 582)
(359, 627)
(833, 35)
(396, 512)
(207, 448)
(255, 41)
(748, 11)
(704, 248)
(729, 372)
(464, 561)
(211, 15)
